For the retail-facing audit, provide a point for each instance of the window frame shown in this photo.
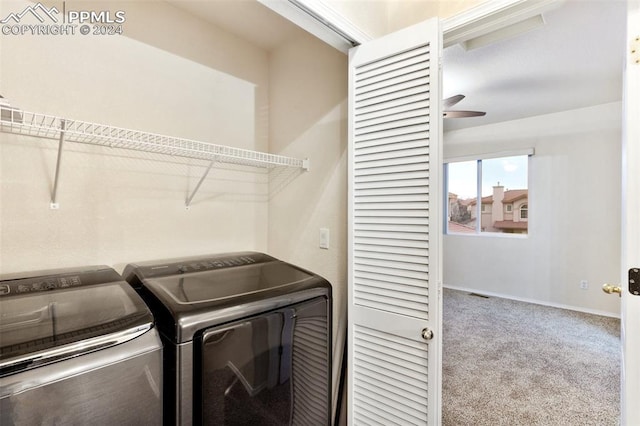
(479, 230)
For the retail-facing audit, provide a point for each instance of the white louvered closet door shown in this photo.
(395, 193)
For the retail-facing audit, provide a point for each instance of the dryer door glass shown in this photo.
(267, 370)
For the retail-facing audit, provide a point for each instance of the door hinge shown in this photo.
(635, 50)
(634, 281)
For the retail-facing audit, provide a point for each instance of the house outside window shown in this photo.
(503, 195)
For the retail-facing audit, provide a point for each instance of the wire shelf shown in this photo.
(21, 122)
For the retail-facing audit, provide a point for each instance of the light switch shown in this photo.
(324, 238)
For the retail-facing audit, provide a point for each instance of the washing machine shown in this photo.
(247, 339)
(77, 347)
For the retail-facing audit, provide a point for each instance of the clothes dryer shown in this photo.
(247, 339)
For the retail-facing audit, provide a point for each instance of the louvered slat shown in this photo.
(371, 248)
(397, 257)
(403, 122)
(405, 75)
(392, 147)
(367, 214)
(398, 236)
(396, 150)
(411, 220)
(403, 83)
(375, 110)
(384, 287)
(401, 133)
(390, 389)
(385, 66)
(399, 183)
(394, 116)
(389, 365)
(390, 178)
(397, 304)
(391, 281)
(403, 106)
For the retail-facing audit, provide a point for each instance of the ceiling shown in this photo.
(247, 19)
(575, 60)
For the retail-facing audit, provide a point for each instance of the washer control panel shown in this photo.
(39, 284)
(56, 281)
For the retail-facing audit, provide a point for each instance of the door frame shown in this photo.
(630, 224)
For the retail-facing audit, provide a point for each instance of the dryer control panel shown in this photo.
(196, 264)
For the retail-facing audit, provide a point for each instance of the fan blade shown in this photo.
(449, 102)
(462, 114)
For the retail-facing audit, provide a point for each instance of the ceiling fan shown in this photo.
(449, 102)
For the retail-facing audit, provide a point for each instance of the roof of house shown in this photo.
(459, 228)
(509, 224)
(509, 196)
(514, 194)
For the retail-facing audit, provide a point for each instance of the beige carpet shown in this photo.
(513, 363)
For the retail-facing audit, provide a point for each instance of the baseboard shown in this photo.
(537, 302)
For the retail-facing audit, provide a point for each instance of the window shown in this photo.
(463, 207)
(483, 194)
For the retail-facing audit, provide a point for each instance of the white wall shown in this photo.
(381, 17)
(574, 212)
(308, 90)
(170, 73)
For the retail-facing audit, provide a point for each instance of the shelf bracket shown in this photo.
(204, 176)
(54, 205)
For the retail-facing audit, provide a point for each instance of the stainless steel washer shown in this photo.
(247, 339)
(77, 347)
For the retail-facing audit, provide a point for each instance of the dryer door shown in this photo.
(272, 369)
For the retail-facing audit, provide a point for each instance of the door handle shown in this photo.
(427, 334)
(610, 289)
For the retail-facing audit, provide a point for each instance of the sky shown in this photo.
(511, 172)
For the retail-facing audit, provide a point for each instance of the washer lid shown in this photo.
(48, 318)
(211, 286)
(189, 294)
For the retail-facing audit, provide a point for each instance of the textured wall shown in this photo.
(574, 212)
(307, 110)
(170, 73)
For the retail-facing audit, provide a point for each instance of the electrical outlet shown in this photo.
(584, 284)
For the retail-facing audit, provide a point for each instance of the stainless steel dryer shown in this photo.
(77, 347)
(247, 339)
